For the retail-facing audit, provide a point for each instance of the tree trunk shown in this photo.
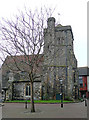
(32, 98)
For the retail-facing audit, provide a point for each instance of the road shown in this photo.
(71, 110)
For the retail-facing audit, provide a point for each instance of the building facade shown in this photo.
(59, 63)
(83, 82)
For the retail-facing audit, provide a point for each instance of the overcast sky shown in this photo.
(72, 12)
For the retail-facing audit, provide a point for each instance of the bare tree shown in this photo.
(24, 36)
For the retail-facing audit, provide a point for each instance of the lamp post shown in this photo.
(5, 89)
(61, 83)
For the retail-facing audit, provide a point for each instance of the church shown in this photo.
(59, 68)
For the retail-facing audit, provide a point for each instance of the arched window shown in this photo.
(27, 90)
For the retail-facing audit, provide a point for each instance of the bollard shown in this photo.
(26, 105)
(85, 102)
(61, 100)
(61, 105)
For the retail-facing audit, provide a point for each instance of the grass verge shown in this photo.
(38, 101)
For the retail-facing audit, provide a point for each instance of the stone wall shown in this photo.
(59, 59)
(17, 91)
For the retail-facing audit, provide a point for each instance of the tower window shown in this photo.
(61, 40)
(74, 78)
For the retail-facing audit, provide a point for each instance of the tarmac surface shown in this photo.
(69, 110)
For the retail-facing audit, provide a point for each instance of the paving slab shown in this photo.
(0, 106)
(71, 110)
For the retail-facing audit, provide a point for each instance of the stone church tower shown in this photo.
(59, 61)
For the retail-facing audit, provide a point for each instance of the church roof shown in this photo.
(13, 63)
(59, 25)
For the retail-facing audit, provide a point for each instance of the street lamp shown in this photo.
(61, 83)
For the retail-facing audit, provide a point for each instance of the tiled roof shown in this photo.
(20, 60)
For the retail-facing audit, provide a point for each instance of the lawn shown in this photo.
(38, 101)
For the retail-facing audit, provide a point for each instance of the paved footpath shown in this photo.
(0, 112)
(71, 110)
(0, 106)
